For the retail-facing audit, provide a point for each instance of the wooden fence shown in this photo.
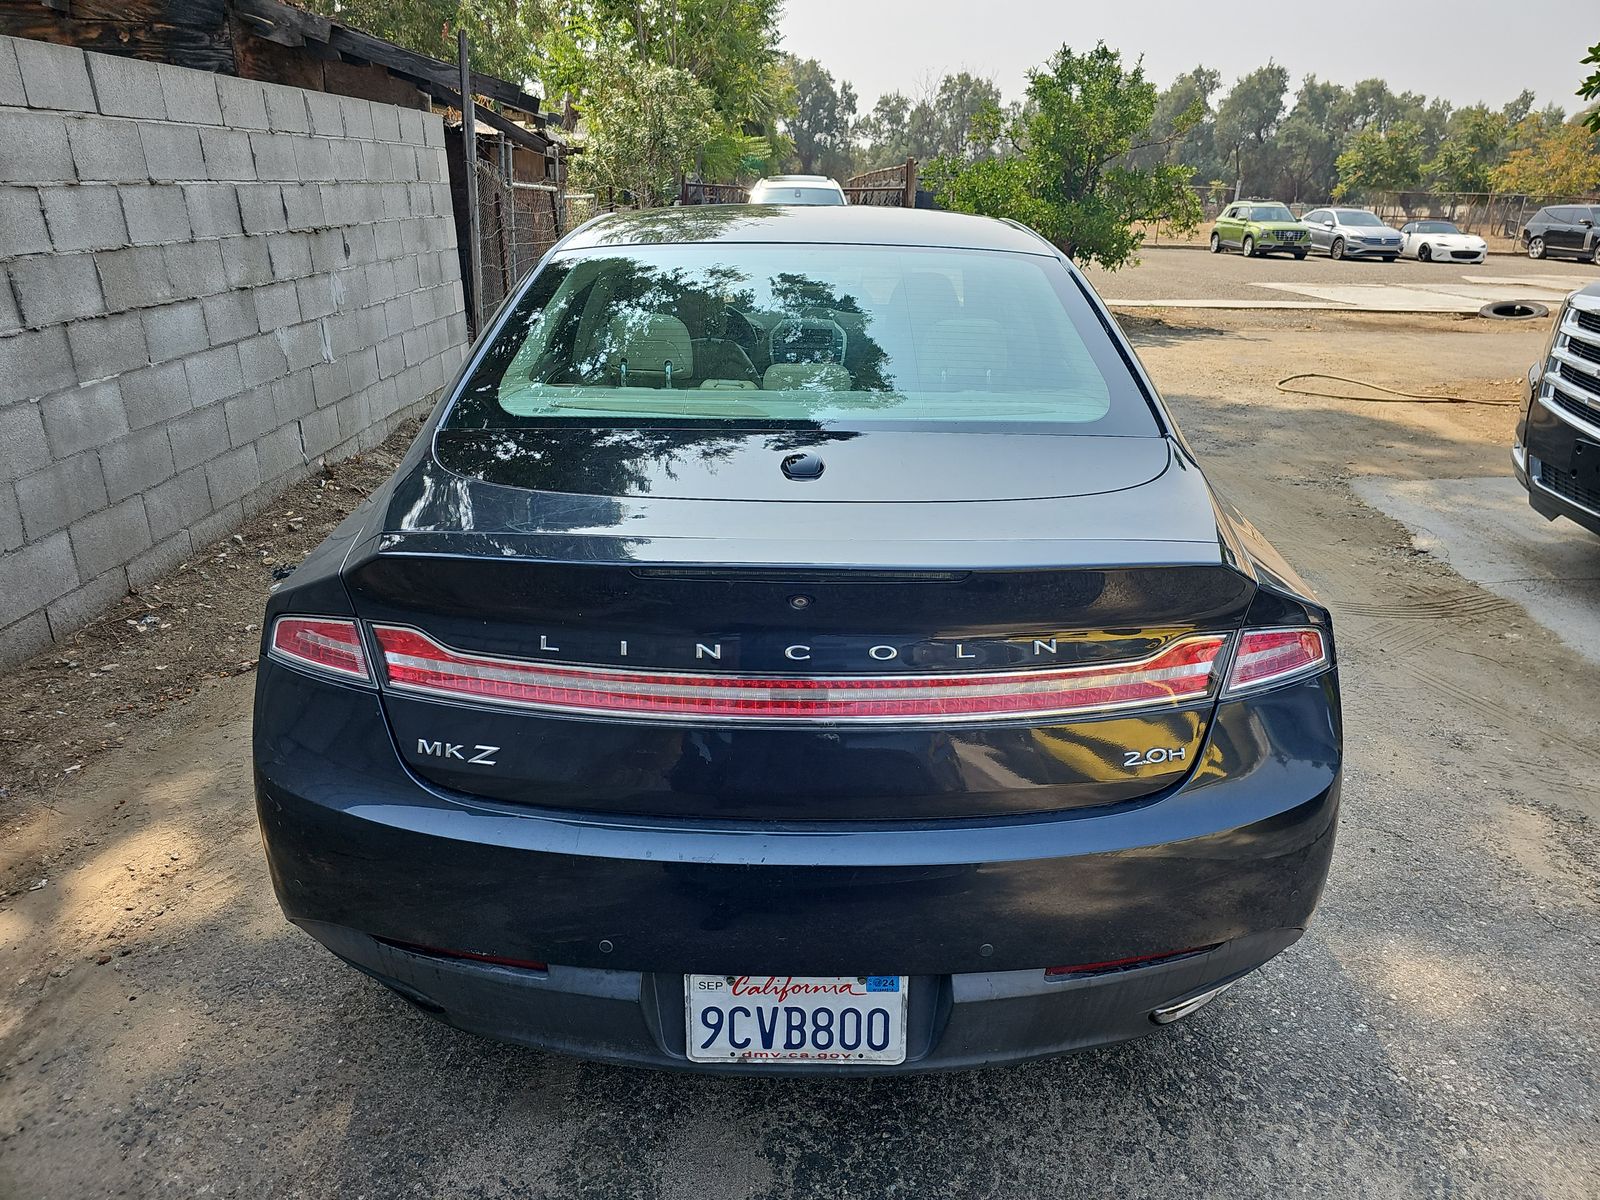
(886, 187)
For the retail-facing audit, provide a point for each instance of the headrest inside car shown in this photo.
(646, 349)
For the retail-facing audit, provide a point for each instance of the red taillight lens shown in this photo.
(496, 960)
(414, 662)
(1123, 964)
(1268, 656)
(321, 643)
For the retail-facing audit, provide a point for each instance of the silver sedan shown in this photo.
(1352, 233)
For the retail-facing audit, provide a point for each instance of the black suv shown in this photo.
(1566, 229)
(1556, 452)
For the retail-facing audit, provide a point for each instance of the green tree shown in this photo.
(1589, 89)
(1517, 111)
(945, 120)
(502, 33)
(885, 130)
(1069, 175)
(1309, 140)
(1562, 163)
(1247, 125)
(1183, 129)
(1381, 161)
(824, 116)
(958, 124)
(646, 124)
(1472, 146)
(728, 47)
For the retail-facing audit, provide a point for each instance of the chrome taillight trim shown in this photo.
(1324, 662)
(976, 685)
(362, 678)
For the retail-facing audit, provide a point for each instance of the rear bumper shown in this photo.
(954, 1021)
(360, 849)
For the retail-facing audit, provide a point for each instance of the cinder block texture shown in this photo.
(207, 285)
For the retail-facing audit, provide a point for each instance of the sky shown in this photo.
(1466, 51)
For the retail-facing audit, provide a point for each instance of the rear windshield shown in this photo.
(779, 194)
(783, 335)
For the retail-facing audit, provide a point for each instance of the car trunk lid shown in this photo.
(843, 596)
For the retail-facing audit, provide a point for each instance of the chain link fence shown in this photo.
(1497, 217)
(517, 223)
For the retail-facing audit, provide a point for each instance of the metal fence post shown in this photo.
(469, 150)
(560, 203)
(508, 175)
(909, 200)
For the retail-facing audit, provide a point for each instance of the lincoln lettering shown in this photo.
(921, 653)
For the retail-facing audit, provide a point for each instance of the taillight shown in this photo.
(1124, 964)
(495, 960)
(414, 662)
(1269, 656)
(322, 644)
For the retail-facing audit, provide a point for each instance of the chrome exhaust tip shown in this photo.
(1167, 1014)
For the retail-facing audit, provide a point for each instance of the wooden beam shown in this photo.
(280, 22)
(198, 14)
(419, 66)
(182, 45)
(522, 137)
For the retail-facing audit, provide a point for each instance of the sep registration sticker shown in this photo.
(776, 1019)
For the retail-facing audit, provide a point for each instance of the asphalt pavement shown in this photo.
(1191, 274)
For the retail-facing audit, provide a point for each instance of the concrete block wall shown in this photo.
(207, 284)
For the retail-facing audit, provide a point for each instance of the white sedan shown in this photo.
(1441, 241)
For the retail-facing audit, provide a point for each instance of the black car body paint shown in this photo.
(968, 855)
(1556, 449)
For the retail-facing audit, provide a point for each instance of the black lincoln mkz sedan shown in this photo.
(800, 641)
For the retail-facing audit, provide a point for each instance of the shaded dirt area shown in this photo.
(124, 682)
(162, 1031)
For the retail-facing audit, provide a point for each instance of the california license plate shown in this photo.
(796, 1018)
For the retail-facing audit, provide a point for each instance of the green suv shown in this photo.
(1259, 227)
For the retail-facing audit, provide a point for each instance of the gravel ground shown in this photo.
(162, 1032)
(1192, 273)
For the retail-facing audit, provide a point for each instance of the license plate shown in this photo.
(778, 1019)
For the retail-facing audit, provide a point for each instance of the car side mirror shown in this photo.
(1327, 224)
(1586, 223)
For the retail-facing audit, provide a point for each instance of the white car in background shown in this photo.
(1441, 241)
(797, 189)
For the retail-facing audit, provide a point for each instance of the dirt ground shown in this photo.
(163, 1031)
(120, 683)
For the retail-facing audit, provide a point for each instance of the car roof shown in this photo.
(840, 224)
(831, 182)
